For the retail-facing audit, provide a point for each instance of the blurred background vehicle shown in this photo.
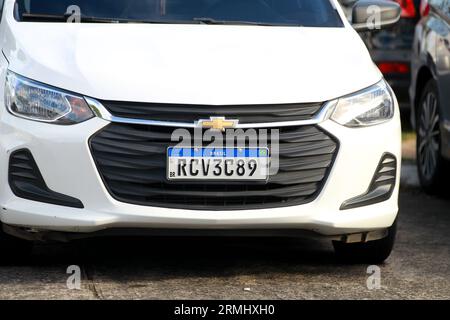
(347, 5)
(414, 56)
(391, 48)
(430, 95)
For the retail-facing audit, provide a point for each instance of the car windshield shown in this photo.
(308, 13)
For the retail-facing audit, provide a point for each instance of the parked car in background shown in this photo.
(430, 95)
(347, 6)
(391, 48)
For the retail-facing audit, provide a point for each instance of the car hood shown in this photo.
(192, 64)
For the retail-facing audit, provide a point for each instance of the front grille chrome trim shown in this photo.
(101, 112)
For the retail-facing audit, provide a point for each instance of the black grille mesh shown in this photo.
(131, 160)
(26, 182)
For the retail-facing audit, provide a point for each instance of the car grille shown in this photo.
(131, 160)
(191, 113)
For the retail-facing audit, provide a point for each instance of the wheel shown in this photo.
(13, 250)
(372, 252)
(432, 167)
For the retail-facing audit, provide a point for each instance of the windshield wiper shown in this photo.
(205, 20)
(38, 17)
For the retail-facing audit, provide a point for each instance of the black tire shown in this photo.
(432, 167)
(372, 252)
(14, 250)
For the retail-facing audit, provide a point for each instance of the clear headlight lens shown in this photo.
(31, 100)
(368, 107)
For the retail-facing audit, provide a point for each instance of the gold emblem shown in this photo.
(218, 123)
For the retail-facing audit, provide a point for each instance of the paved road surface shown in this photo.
(243, 268)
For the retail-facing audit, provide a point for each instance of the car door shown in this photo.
(443, 54)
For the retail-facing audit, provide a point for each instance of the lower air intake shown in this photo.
(26, 182)
(382, 186)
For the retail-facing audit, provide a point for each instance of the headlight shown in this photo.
(368, 107)
(31, 100)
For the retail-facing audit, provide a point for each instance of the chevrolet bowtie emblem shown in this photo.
(218, 123)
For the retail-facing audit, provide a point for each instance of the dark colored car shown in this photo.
(430, 95)
(391, 48)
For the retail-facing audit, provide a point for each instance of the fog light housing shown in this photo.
(26, 182)
(381, 187)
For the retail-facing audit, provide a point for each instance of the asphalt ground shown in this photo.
(226, 268)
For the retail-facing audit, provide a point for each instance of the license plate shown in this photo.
(218, 164)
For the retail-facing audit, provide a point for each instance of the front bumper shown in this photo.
(64, 159)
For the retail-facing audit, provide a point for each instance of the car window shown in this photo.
(317, 13)
(1, 8)
(439, 4)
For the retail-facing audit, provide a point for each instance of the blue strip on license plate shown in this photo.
(218, 152)
(217, 163)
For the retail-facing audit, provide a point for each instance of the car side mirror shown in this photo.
(347, 3)
(370, 15)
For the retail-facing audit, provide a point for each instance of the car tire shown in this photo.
(432, 167)
(372, 252)
(14, 250)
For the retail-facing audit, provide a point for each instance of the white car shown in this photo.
(109, 109)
